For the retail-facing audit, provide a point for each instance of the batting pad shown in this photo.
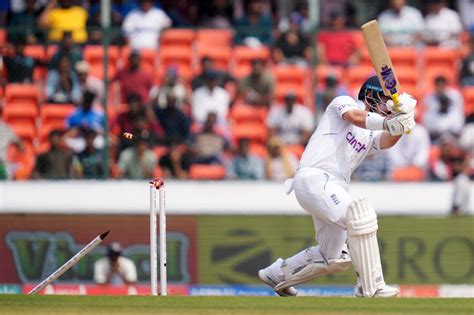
(362, 228)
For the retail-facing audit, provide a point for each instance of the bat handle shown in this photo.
(395, 102)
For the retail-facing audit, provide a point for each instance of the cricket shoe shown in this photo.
(266, 278)
(383, 292)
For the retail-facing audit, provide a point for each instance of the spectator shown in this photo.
(118, 10)
(89, 164)
(19, 67)
(337, 45)
(88, 82)
(442, 25)
(56, 163)
(467, 68)
(67, 49)
(62, 85)
(255, 27)
(292, 123)
(462, 187)
(445, 110)
(245, 165)
(8, 137)
(137, 162)
(259, 86)
(125, 120)
(172, 84)
(207, 146)
(326, 94)
(279, 164)
(210, 98)
(466, 140)
(64, 17)
(401, 24)
(217, 14)
(143, 26)
(373, 169)
(115, 268)
(301, 13)
(134, 80)
(441, 167)
(87, 117)
(175, 163)
(411, 151)
(207, 65)
(175, 123)
(24, 24)
(292, 46)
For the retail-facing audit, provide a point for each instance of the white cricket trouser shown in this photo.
(327, 200)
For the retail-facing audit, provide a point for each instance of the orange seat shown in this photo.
(22, 93)
(408, 174)
(3, 36)
(295, 149)
(246, 113)
(94, 55)
(24, 160)
(324, 71)
(220, 56)
(290, 75)
(177, 56)
(282, 90)
(408, 77)
(440, 57)
(214, 37)
(256, 132)
(177, 37)
(207, 172)
(56, 112)
(357, 75)
(404, 57)
(244, 55)
(35, 51)
(147, 58)
(431, 73)
(25, 131)
(20, 114)
(468, 93)
(242, 71)
(258, 149)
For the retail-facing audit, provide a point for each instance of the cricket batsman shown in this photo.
(346, 228)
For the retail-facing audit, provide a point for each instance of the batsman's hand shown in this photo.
(401, 123)
(406, 104)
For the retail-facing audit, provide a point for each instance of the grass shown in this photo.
(48, 305)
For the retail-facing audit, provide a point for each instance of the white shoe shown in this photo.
(383, 292)
(267, 279)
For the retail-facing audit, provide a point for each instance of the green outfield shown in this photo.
(22, 304)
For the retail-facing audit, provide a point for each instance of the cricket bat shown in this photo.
(381, 60)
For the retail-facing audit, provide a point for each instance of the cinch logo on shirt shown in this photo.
(351, 139)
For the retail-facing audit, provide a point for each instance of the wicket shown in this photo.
(158, 185)
(70, 263)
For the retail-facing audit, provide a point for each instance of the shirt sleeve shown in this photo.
(375, 142)
(129, 270)
(342, 104)
(100, 271)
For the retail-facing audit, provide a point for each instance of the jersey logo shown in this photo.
(356, 145)
(335, 199)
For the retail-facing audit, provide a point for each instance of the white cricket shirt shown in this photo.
(337, 146)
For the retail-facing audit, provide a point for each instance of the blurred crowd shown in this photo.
(185, 123)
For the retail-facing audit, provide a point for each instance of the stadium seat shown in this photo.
(408, 174)
(24, 160)
(357, 75)
(323, 71)
(25, 131)
(290, 75)
(404, 57)
(242, 112)
(282, 90)
(214, 37)
(258, 149)
(177, 56)
(3, 36)
(148, 58)
(440, 57)
(220, 55)
(52, 113)
(20, 114)
(94, 55)
(239, 72)
(35, 51)
(255, 132)
(244, 55)
(207, 172)
(22, 92)
(468, 93)
(408, 77)
(177, 38)
(295, 149)
(431, 73)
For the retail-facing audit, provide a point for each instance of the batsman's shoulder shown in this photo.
(343, 103)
